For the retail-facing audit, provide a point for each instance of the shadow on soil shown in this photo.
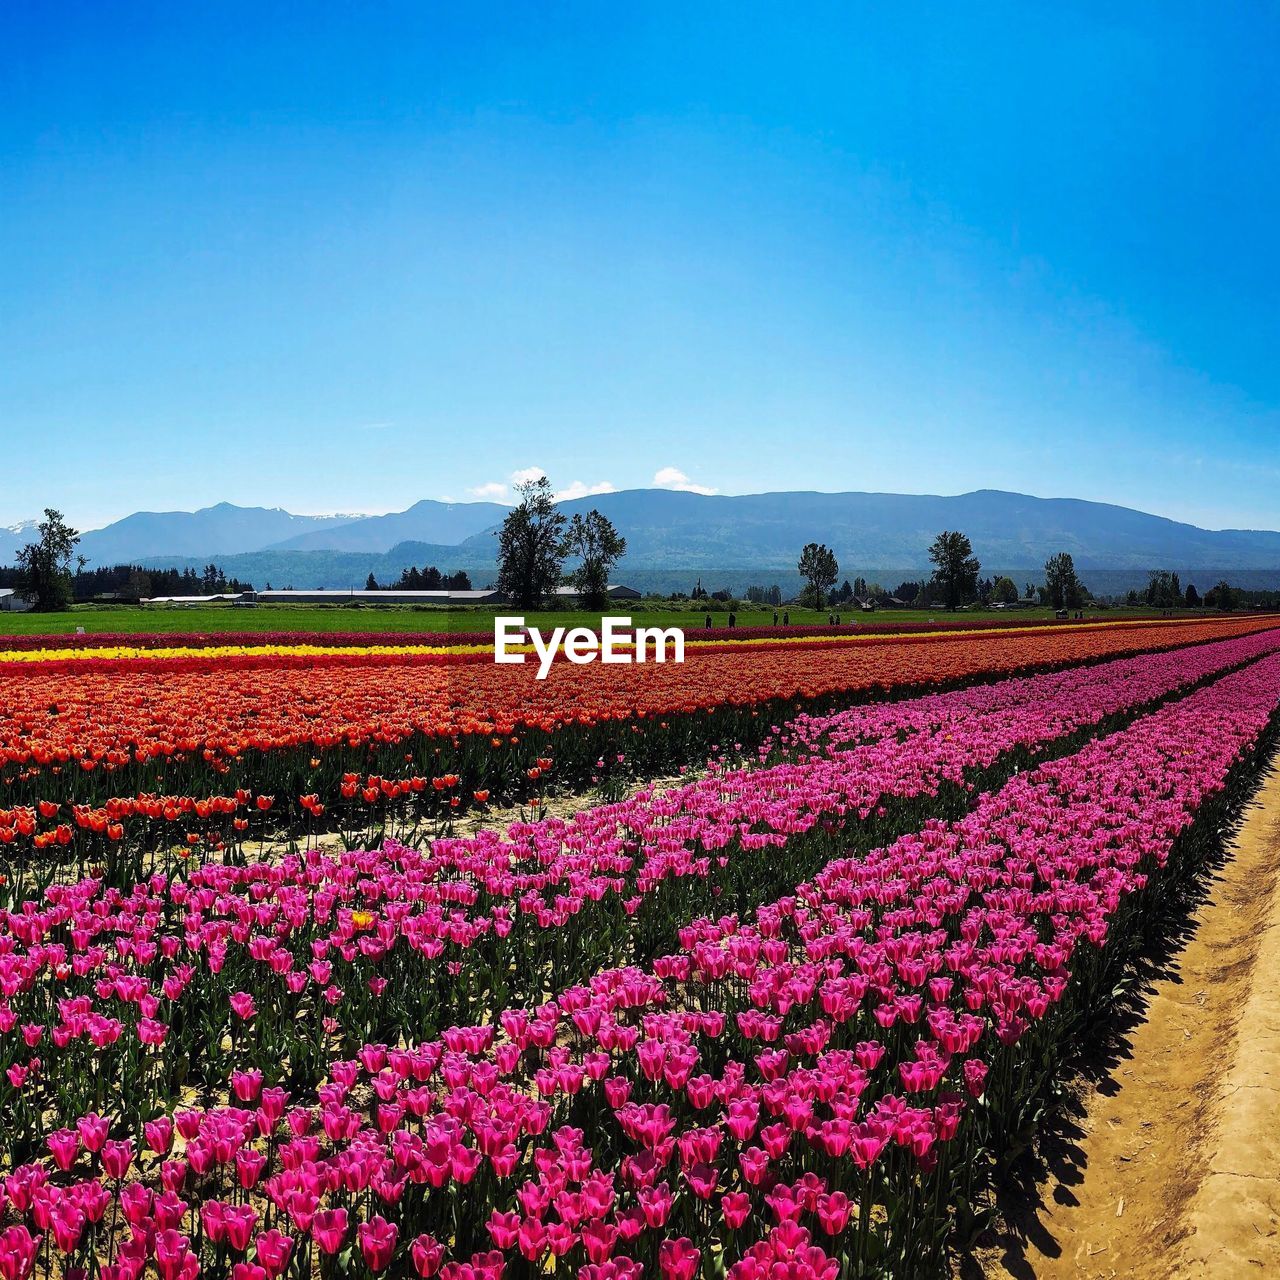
(1057, 1160)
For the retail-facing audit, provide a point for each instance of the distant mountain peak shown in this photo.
(427, 521)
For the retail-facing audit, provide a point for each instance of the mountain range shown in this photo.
(678, 532)
(224, 529)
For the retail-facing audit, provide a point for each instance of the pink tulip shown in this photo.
(272, 1250)
(427, 1254)
(64, 1144)
(377, 1240)
(329, 1229)
(243, 1005)
(678, 1259)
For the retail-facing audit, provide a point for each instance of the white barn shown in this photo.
(12, 601)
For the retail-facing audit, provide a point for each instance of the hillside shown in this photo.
(426, 521)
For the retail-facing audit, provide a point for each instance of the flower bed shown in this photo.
(838, 1067)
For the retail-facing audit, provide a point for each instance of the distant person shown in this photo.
(733, 619)
(831, 619)
(775, 617)
(837, 619)
(708, 621)
(786, 618)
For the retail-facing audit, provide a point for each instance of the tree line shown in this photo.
(1164, 591)
(956, 580)
(428, 578)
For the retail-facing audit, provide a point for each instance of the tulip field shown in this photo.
(281, 996)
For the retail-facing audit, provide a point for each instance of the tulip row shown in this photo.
(124, 748)
(839, 1067)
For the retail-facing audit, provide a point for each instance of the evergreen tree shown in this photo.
(44, 566)
(955, 567)
(1063, 587)
(819, 569)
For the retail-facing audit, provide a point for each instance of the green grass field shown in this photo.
(403, 618)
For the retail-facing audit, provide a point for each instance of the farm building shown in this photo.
(12, 601)
(226, 598)
(329, 595)
(616, 592)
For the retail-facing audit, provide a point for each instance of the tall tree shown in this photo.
(45, 565)
(1060, 581)
(598, 546)
(956, 568)
(530, 546)
(819, 569)
(1004, 591)
(1223, 596)
(1163, 591)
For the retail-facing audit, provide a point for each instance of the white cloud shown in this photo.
(674, 478)
(501, 490)
(579, 490)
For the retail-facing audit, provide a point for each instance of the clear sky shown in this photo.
(342, 257)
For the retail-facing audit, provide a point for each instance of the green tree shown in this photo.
(956, 568)
(598, 546)
(1064, 588)
(1223, 596)
(1192, 598)
(1163, 590)
(819, 569)
(530, 546)
(1005, 591)
(138, 586)
(371, 584)
(44, 566)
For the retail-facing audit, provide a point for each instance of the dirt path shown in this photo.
(1171, 1168)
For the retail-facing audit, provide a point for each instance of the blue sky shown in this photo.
(342, 257)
